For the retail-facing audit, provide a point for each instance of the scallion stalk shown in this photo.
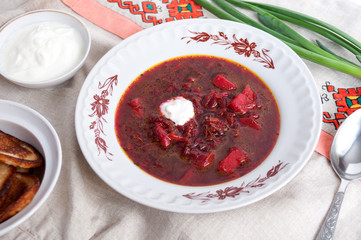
(322, 31)
(304, 18)
(339, 65)
(277, 25)
(315, 25)
(247, 20)
(328, 50)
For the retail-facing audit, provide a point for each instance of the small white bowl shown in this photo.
(28, 125)
(36, 17)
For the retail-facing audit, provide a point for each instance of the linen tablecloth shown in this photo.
(82, 206)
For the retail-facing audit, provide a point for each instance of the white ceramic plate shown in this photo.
(28, 125)
(283, 71)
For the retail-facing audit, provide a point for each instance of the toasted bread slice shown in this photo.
(7, 174)
(19, 195)
(18, 153)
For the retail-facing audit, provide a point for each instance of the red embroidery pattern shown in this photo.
(184, 9)
(100, 109)
(240, 46)
(232, 191)
(137, 10)
(177, 10)
(335, 121)
(346, 100)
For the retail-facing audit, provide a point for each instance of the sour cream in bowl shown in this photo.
(43, 48)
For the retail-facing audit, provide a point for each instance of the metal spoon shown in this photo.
(346, 161)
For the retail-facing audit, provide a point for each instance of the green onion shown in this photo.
(328, 50)
(315, 25)
(342, 66)
(358, 57)
(322, 31)
(247, 20)
(274, 26)
(305, 18)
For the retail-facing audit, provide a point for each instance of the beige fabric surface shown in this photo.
(82, 206)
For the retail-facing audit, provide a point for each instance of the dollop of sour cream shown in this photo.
(42, 51)
(179, 110)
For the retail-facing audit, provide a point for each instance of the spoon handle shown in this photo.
(329, 225)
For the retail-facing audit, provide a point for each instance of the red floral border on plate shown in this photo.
(240, 46)
(232, 191)
(100, 107)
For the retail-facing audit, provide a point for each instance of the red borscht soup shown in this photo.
(197, 120)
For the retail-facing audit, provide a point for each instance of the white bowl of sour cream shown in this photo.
(43, 48)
